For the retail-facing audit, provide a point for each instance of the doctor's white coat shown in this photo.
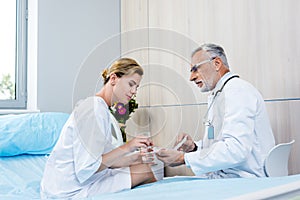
(242, 133)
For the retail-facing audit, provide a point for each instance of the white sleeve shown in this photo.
(199, 144)
(91, 124)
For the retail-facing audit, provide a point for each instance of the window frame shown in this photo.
(20, 101)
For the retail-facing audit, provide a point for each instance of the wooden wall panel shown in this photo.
(262, 43)
(284, 117)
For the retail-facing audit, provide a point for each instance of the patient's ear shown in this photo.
(113, 79)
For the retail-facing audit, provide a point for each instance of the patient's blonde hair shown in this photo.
(121, 67)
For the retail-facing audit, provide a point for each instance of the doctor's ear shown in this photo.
(218, 63)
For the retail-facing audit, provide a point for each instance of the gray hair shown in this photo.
(213, 50)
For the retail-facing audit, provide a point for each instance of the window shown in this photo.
(13, 51)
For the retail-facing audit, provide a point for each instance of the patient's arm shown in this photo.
(126, 155)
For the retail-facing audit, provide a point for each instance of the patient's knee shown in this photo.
(141, 174)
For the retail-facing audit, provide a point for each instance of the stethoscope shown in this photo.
(208, 123)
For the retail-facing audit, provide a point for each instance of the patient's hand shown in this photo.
(131, 153)
(140, 142)
(134, 158)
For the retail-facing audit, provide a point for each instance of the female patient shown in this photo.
(90, 157)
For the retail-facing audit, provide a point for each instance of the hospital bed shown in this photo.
(21, 172)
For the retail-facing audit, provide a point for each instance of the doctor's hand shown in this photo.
(188, 145)
(171, 157)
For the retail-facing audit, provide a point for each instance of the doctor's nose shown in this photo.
(193, 76)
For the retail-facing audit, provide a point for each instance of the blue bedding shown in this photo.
(26, 139)
(32, 133)
(20, 177)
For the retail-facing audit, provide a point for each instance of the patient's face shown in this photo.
(126, 87)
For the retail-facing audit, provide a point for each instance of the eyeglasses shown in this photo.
(198, 65)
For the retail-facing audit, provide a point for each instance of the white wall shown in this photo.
(68, 31)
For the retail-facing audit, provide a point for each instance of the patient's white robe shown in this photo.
(70, 171)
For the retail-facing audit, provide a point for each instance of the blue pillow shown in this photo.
(33, 133)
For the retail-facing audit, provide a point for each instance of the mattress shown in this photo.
(20, 179)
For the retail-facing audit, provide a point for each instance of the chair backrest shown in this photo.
(276, 162)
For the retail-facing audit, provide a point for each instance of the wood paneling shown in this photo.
(284, 117)
(262, 43)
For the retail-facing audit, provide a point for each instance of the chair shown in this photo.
(276, 162)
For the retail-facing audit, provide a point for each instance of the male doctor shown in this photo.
(237, 135)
